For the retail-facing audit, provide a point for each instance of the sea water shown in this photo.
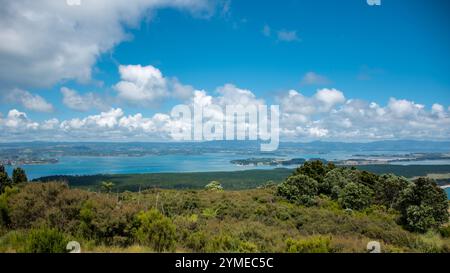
(208, 162)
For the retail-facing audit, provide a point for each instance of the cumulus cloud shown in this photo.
(322, 101)
(232, 95)
(113, 124)
(73, 100)
(404, 108)
(326, 115)
(44, 42)
(329, 98)
(30, 101)
(146, 85)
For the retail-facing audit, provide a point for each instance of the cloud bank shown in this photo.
(326, 115)
(47, 41)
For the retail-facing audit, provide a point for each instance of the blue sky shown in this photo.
(399, 50)
(407, 41)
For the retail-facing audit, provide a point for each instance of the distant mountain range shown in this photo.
(317, 146)
(387, 145)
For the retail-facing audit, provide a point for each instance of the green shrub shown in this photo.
(13, 241)
(214, 185)
(19, 176)
(247, 247)
(4, 208)
(197, 241)
(155, 230)
(315, 169)
(5, 181)
(222, 243)
(420, 218)
(299, 188)
(355, 196)
(314, 244)
(333, 182)
(445, 231)
(430, 205)
(46, 240)
(388, 189)
(210, 213)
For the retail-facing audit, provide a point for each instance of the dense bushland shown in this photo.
(421, 203)
(334, 210)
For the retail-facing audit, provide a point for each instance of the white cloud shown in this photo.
(403, 108)
(328, 115)
(322, 101)
(16, 120)
(325, 115)
(44, 42)
(82, 103)
(232, 95)
(105, 120)
(329, 98)
(30, 101)
(50, 124)
(312, 78)
(438, 110)
(287, 36)
(145, 85)
(141, 84)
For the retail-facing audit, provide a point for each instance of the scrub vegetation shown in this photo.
(318, 209)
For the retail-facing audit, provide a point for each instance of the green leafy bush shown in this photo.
(46, 240)
(314, 244)
(214, 186)
(429, 202)
(355, 196)
(155, 230)
(299, 188)
(420, 218)
(197, 241)
(445, 231)
(5, 181)
(19, 176)
(315, 169)
(4, 208)
(334, 181)
(388, 189)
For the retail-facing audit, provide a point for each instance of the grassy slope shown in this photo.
(249, 221)
(230, 180)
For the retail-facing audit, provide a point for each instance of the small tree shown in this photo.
(333, 182)
(19, 176)
(299, 188)
(155, 230)
(355, 196)
(423, 193)
(214, 185)
(315, 169)
(4, 179)
(420, 218)
(388, 189)
(107, 186)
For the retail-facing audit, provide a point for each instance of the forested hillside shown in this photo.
(319, 208)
